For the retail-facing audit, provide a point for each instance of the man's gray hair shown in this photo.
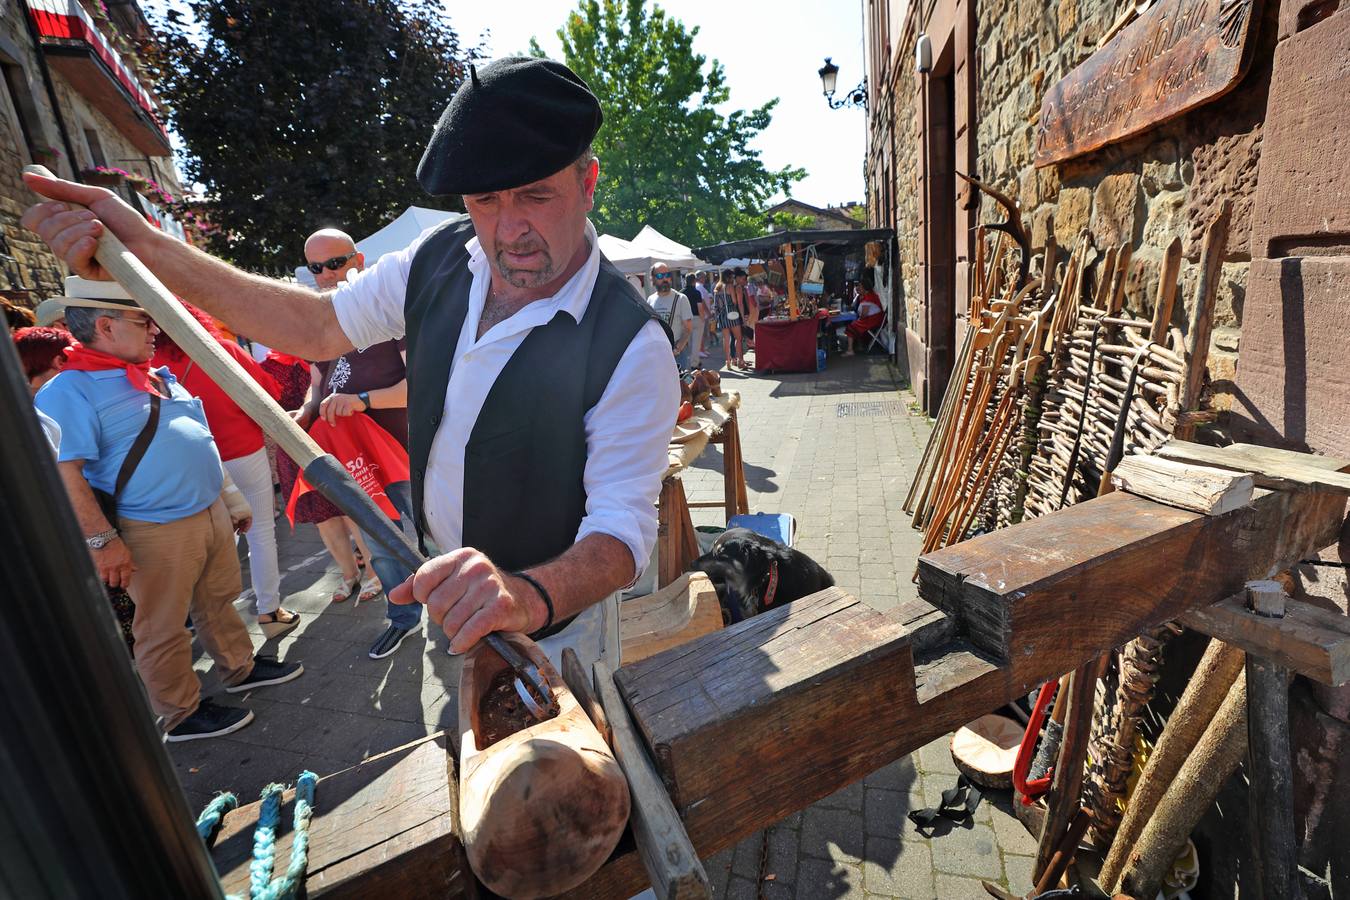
(583, 162)
(80, 321)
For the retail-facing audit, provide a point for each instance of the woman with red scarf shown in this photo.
(870, 316)
(240, 441)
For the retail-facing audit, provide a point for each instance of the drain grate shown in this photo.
(869, 408)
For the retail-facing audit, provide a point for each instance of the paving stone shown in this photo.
(971, 851)
(745, 859)
(850, 798)
(895, 869)
(718, 868)
(817, 878)
(834, 834)
(1019, 870)
(900, 775)
(952, 887)
(1013, 836)
(741, 889)
(885, 812)
(936, 757)
(784, 848)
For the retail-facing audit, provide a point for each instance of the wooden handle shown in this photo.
(197, 343)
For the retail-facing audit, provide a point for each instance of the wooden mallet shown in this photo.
(328, 476)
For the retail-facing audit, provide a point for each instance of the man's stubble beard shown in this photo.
(527, 278)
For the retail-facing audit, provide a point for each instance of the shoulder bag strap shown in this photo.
(138, 447)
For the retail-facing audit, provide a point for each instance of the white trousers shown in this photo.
(253, 476)
(696, 340)
(593, 634)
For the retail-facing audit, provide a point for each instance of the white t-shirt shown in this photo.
(682, 315)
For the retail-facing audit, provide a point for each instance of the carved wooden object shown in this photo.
(543, 808)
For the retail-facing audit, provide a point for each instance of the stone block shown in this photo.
(1165, 217)
(893, 869)
(822, 878)
(1294, 385)
(833, 834)
(968, 851)
(1066, 17)
(1071, 214)
(1117, 206)
(1162, 172)
(1304, 166)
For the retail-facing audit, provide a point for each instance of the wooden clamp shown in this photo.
(663, 844)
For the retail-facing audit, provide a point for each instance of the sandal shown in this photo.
(360, 558)
(341, 593)
(273, 623)
(370, 588)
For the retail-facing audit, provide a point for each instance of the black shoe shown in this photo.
(267, 671)
(210, 720)
(389, 641)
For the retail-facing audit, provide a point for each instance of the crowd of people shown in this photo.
(165, 472)
(725, 304)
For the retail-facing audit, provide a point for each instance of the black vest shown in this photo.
(524, 495)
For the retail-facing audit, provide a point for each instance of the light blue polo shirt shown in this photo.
(100, 414)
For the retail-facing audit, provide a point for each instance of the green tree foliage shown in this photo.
(300, 114)
(786, 221)
(668, 158)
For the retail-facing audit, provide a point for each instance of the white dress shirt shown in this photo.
(627, 431)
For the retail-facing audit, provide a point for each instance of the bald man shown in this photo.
(372, 382)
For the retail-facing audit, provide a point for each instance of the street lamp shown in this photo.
(829, 74)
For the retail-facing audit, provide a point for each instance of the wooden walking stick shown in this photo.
(1064, 800)
(1214, 676)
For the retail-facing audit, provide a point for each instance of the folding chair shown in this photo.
(875, 333)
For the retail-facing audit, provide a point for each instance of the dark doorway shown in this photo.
(939, 226)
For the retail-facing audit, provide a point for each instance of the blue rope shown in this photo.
(209, 820)
(261, 884)
(284, 888)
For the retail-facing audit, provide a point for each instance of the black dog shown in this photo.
(752, 573)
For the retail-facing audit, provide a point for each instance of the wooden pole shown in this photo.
(1218, 669)
(1202, 316)
(1270, 806)
(1064, 800)
(1206, 768)
(791, 281)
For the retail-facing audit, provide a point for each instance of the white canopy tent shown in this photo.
(395, 236)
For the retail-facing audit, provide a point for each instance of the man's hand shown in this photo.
(241, 523)
(335, 405)
(302, 416)
(73, 233)
(470, 598)
(114, 563)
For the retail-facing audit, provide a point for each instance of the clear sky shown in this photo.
(769, 48)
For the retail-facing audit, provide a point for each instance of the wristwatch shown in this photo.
(364, 397)
(102, 539)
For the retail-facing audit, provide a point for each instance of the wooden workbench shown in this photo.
(676, 542)
(758, 720)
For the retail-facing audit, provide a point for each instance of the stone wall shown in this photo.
(25, 263)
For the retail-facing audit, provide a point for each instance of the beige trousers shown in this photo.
(189, 565)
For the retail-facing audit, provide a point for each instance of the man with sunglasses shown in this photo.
(673, 308)
(542, 390)
(372, 381)
(171, 542)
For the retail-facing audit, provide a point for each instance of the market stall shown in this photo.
(806, 270)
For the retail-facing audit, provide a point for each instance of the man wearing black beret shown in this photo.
(542, 390)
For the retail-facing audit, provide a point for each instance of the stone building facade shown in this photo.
(74, 98)
(1272, 144)
(830, 218)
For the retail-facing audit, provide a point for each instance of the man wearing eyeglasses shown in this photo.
(542, 390)
(372, 381)
(171, 543)
(673, 308)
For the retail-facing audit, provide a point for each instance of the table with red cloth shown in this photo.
(785, 345)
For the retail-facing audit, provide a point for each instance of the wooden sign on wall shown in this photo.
(1175, 57)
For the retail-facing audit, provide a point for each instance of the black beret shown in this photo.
(514, 122)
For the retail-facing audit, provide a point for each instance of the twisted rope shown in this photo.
(209, 820)
(261, 884)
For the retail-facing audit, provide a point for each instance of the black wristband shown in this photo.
(548, 601)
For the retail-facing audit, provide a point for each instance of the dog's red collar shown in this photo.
(772, 587)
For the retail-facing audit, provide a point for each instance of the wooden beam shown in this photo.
(1312, 641)
(384, 828)
(1201, 489)
(685, 609)
(1285, 470)
(662, 843)
(1090, 577)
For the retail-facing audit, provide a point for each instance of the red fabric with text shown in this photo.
(372, 456)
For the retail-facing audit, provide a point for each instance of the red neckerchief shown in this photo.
(83, 359)
(772, 586)
(286, 359)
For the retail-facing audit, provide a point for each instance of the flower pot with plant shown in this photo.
(103, 176)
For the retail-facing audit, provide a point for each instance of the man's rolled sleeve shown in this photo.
(627, 440)
(369, 304)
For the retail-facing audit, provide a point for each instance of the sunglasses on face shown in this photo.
(331, 265)
(662, 276)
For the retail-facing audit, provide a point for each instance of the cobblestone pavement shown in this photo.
(835, 449)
